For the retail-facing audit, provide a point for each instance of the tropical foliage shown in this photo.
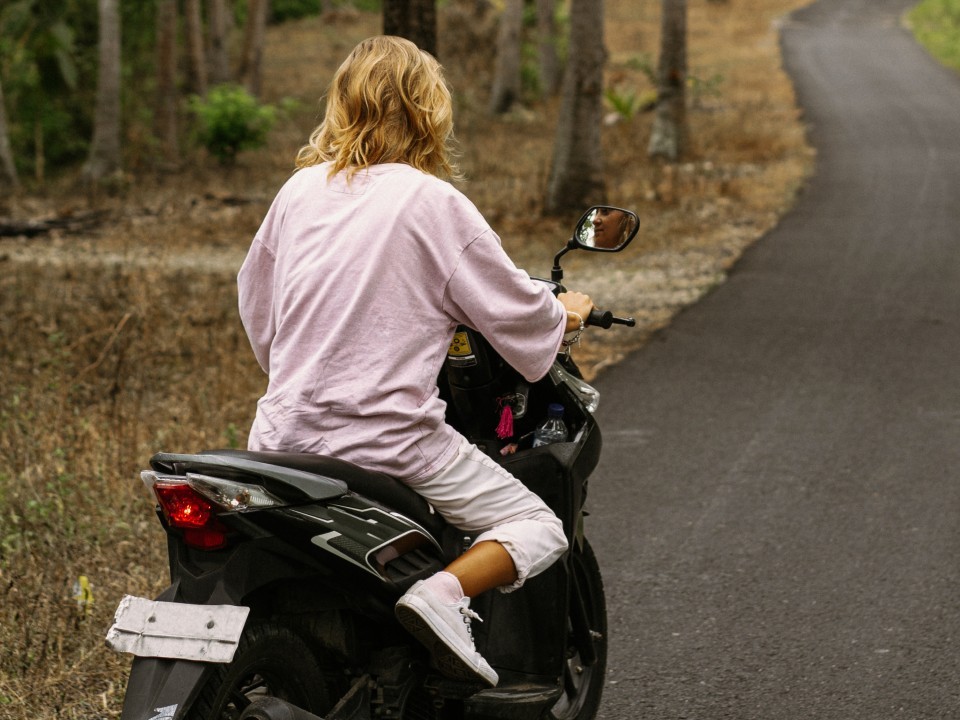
(48, 72)
(45, 49)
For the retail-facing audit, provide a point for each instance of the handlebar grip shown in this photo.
(604, 319)
(600, 318)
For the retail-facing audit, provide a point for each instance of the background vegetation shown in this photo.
(48, 65)
(936, 24)
(119, 343)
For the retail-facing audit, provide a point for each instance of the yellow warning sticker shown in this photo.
(460, 345)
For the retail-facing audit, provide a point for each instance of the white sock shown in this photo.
(446, 587)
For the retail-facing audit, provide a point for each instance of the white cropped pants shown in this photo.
(475, 494)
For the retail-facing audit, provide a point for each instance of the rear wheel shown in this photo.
(271, 661)
(583, 676)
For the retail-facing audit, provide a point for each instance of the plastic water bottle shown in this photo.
(552, 429)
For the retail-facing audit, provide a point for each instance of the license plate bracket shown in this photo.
(178, 631)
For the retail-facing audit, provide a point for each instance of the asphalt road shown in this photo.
(777, 510)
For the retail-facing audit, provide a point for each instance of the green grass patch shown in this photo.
(936, 25)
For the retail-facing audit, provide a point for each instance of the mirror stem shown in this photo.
(556, 274)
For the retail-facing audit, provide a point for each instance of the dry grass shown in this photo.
(102, 369)
(120, 344)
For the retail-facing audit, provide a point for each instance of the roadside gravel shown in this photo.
(649, 285)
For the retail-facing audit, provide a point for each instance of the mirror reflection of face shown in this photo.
(586, 229)
(610, 227)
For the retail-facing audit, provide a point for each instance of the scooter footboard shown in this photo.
(519, 632)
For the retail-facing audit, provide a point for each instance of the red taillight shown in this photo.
(185, 509)
(183, 506)
(206, 538)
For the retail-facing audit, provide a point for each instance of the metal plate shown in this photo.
(151, 628)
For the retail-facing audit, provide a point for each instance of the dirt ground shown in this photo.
(747, 161)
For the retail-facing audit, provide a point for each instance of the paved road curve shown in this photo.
(778, 512)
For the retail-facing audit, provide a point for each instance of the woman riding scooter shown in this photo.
(353, 352)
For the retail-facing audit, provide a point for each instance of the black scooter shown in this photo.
(285, 569)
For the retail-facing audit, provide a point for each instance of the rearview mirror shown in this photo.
(605, 228)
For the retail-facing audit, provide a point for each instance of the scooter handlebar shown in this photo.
(605, 318)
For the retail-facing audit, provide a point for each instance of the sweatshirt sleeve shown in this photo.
(255, 289)
(521, 318)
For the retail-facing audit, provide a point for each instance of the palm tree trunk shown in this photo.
(251, 62)
(195, 50)
(576, 176)
(105, 157)
(547, 48)
(668, 138)
(8, 170)
(415, 20)
(506, 79)
(218, 25)
(166, 116)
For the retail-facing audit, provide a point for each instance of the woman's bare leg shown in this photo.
(484, 566)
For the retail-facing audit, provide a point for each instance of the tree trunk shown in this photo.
(105, 159)
(195, 50)
(251, 62)
(166, 116)
(547, 48)
(39, 154)
(415, 20)
(668, 139)
(218, 24)
(8, 170)
(576, 176)
(507, 81)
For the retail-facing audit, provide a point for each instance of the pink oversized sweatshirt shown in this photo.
(350, 295)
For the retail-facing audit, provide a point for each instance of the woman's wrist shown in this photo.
(576, 319)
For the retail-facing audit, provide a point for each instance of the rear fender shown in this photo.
(161, 689)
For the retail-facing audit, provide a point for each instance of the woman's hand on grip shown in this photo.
(578, 308)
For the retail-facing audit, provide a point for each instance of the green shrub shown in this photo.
(231, 120)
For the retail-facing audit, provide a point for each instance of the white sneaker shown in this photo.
(446, 633)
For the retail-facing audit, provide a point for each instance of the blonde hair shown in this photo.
(388, 102)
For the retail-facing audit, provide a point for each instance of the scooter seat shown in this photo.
(375, 486)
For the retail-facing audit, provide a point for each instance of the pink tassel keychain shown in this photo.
(505, 428)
